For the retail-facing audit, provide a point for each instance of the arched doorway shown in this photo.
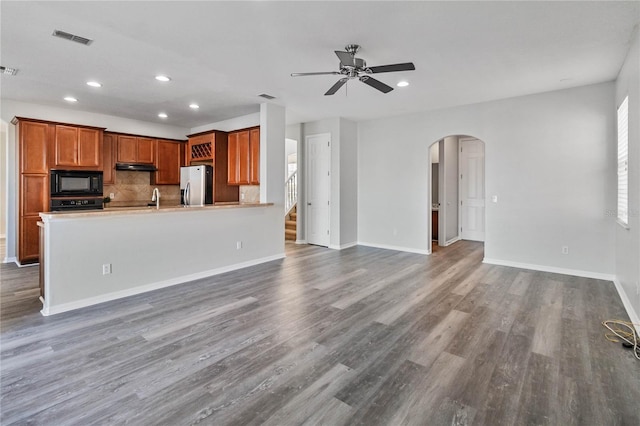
(457, 190)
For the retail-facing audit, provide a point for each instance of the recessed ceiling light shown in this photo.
(403, 84)
(194, 106)
(162, 78)
(94, 84)
(70, 99)
(163, 115)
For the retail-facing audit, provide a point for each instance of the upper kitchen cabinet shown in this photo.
(254, 152)
(244, 157)
(77, 147)
(135, 149)
(34, 137)
(108, 157)
(201, 147)
(168, 162)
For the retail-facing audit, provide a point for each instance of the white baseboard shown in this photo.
(553, 269)
(90, 301)
(397, 248)
(10, 260)
(633, 315)
(342, 246)
(301, 241)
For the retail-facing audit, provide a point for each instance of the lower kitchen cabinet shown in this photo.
(29, 243)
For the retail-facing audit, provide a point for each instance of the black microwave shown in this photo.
(76, 183)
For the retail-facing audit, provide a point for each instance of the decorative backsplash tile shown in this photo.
(133, 188)
(251, 193)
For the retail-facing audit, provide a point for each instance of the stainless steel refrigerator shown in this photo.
(196, 185)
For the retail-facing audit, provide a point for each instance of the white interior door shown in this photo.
(318, 183)
(472, 197)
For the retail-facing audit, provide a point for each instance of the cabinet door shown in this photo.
(34, 139)
(127, 150)
(29, 244)
(34, 194)
(244, 162)
(146, 150)
(254, 148)
(168, 162)
(89, 148)
(232, 159)
(66, 146)
(108, 172)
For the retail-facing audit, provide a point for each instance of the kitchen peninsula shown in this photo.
(98, 256)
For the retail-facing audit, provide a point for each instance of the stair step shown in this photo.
(290, 224)
(293, 215)
(290, 234)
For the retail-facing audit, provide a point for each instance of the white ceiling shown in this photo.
(223, 54)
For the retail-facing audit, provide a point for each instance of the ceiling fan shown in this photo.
(352, 67)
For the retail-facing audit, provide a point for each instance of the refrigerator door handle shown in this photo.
(187, 200)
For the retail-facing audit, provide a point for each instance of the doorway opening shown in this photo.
(457, 190)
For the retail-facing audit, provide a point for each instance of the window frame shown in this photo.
(622, 156)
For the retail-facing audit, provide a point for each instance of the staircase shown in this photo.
(290, 225)
(290, 207)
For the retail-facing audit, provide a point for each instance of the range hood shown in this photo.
(135, 167)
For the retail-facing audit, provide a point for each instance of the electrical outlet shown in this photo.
(238, 245)
(106, 269)
(565, 249)
(242, 196)
(112, 195)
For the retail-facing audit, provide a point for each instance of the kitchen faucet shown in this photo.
(155, 196)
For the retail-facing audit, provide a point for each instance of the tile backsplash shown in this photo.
(133, 188)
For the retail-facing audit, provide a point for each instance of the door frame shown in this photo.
(306, 185)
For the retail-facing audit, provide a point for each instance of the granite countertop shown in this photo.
(119, 210)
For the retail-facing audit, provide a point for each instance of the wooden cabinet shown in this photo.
(77, 147)
(108, 157)
(34, 139)
(254, 163)
(135, 149)
(244, 157)
(168, 162)
(213, 148)
(33, 146)
(434, 225)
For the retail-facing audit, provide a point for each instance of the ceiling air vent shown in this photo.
(8, 71)
(264, 95)
(72, 37)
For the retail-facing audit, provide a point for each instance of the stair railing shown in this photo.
(290, 192)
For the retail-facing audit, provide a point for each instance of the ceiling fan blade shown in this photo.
(302, 74)
(345, 58)
(407, 66)
(336, 86)
(376, 84)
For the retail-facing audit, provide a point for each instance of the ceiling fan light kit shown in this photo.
(352, 68)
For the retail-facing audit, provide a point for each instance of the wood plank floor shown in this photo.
(361, 336)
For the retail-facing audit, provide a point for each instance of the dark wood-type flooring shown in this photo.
(361, 336)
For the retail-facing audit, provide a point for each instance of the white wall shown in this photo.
(192, 244)
(348, 183)
(229, 125)
(627, 244)
(11, 109)
(549, 157)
